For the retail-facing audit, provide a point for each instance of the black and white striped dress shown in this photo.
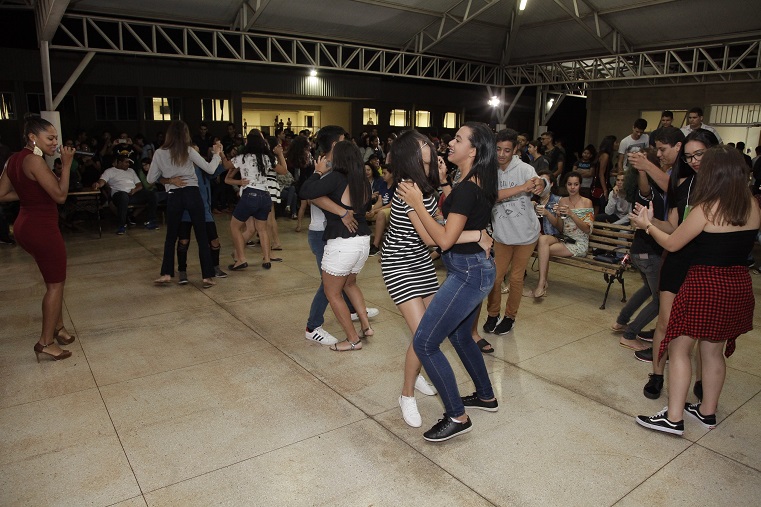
(405, 263)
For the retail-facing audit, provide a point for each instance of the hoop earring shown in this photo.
(37, 151)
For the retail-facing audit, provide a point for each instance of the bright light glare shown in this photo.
(312, 73)
(494, 101)
(550, 102)
(522, 5)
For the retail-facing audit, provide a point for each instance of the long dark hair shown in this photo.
(347, 160)
(407, 157)
(296, 156)
(177, 141)
(257, 146)
(485, 163)
(681, 168)
(723, 182)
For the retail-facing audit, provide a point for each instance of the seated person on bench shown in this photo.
(127, 190)
(574, 219)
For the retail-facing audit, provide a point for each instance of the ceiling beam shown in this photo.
(448, 23)
(512, 34)
(48, 16)
(248, 13)
(613, 46)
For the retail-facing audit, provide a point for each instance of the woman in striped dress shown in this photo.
(406, 265)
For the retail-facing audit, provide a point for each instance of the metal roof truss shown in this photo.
(713, 62)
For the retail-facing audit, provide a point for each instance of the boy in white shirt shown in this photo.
(126, 190)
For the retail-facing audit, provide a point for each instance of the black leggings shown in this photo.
(179, 200)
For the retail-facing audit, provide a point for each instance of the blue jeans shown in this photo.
(320, 301)
(470, 278)
(649, 270)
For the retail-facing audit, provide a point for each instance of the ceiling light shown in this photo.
(522, 5)
(313, 73)
(494, 101)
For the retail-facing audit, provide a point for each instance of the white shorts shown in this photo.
(343, 256)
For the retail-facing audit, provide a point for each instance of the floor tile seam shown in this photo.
(255, 456)
(758, 375)
(179, 368)
(730, 458)
(427, 458)
(144, 316)
(496, 358)
(632, 490)
(145, 502)
(121, 444)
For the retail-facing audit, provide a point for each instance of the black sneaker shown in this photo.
(374, 250)
(131, 221)
(505, 326)
(708, 421)
(473, 401)
(183, 275)
(490, 324)
(698, 390)
(653, 387)
(645, 355)
(646, 336)
(446, 428)
(660, 422)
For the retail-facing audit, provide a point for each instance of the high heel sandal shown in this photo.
(40, 349)
(540, 293)
(62, 340)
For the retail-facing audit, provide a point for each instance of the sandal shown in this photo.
(365, 333)
(482, 344)
(63, 340)
(162, 281)
(208, 283)
(357, 345)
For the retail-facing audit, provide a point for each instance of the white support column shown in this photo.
(46, 79)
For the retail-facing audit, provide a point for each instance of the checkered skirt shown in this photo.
(714, 303)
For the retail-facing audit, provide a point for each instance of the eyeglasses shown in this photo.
(696, 156)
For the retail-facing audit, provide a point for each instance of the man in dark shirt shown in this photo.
(203, 140)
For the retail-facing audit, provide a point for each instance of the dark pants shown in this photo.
(184, 242)
(179, 200)
(122, 200)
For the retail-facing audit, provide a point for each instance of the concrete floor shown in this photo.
(182, 396)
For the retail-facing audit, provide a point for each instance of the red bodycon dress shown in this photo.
(36, 228)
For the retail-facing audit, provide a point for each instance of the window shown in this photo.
(7, 109)
(163, 109)
(423, 119)
(369, 116)
(398, 118)
(36, 104)
(735, 114)
(115, 108)
(215, 110)
(450, 120)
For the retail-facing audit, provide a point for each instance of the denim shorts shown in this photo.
(343, 256)
(253, 203)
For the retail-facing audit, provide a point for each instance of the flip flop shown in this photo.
(482, 344)
(233, 267)
(160, 282)
(353, 346)
(276, 259)
(276, 248)
(208, 284)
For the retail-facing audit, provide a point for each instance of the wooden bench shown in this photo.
(609, 238)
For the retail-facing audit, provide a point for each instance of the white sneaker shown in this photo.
(422, 385)
(371, 312)
(321, 336)
(409, 411)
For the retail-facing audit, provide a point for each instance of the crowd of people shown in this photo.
(481, 202)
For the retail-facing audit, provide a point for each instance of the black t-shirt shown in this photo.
(468, 200)
(643, 243)
(333, 185)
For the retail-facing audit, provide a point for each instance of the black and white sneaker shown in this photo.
(320, 336)
(646, 336)
(645, 356)
(660, 422)
(473, 401)
(183, 275)
(505, 326)
(490, 324)
(218, 273)
(446, 428)
(693, 409)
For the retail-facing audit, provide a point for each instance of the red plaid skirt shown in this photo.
(715, 303)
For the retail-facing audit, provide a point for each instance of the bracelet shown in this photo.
(445, 185)
(647, 229)
(480, 235)
(344, 215)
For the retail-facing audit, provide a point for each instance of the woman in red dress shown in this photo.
(28, 178)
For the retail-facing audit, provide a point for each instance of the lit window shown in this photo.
(369, 116)
(398, 118)
(215, 110)
(7, 109)
(163, 109)
(423, 119)
(450, 121)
